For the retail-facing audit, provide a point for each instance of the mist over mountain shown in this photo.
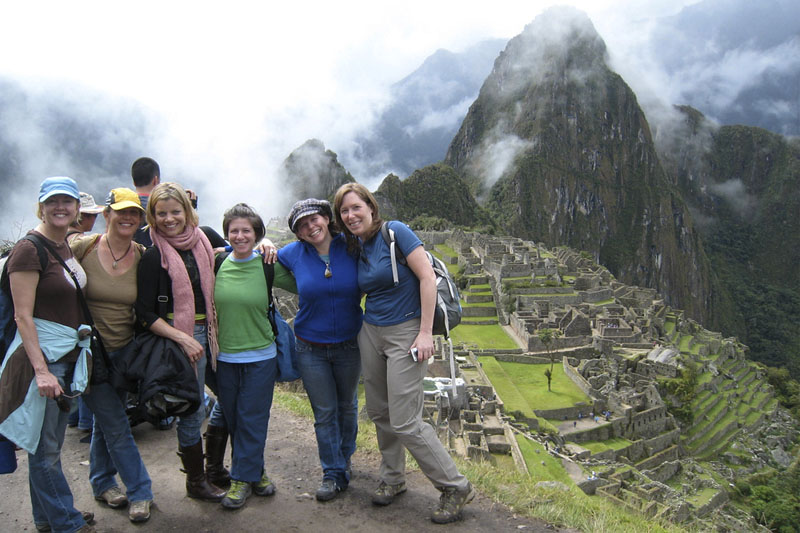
(310, 171)
(424, 112)
(736, 61)
(64, 130)
(559, 149)
(742, 184)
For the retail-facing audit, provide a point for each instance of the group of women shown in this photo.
(214, 308)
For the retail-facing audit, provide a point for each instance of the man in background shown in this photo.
(146, 175)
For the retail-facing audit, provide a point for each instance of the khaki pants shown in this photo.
(393, 387)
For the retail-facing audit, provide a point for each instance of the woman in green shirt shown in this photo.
(246, 364)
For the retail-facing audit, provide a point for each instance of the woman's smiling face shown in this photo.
(242, 237)
(356, 214)
(170, 217)
(313, 228)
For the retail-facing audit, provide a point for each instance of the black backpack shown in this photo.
(8, 326)
(447, 313)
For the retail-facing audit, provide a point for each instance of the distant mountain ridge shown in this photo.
(426, 109)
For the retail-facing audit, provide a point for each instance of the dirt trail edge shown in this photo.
(293, 465)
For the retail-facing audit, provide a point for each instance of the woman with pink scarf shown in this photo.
(183, 250)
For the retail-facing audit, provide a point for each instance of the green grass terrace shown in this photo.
(484, 337)
(523, 387)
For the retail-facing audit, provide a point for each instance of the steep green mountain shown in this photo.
(743, 183)
(431, 198)
(558, 149)
(311, 171)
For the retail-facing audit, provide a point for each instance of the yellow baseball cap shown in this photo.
(123, 198)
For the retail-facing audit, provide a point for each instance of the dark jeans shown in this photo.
(245, 393)
(330, 376)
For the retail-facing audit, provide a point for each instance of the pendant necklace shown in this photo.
(114, 264)
(328, 272)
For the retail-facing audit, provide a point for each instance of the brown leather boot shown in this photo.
(216, 440)
(197, 486)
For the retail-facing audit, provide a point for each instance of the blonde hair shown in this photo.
(166, 191)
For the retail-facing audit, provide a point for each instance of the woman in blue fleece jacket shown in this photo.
(326, 327)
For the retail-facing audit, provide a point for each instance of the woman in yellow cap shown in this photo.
(110, 261)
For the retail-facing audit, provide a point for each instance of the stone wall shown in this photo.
(664, 472)
(579, 380)
(649, 423)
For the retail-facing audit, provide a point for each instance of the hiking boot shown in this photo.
(113, 498)
(451, 502)
(237, 494)
(44, 527)
(265, 487)
(385, 493)
(327, 490)
(139, 511)
(216, 441)
(197, 485)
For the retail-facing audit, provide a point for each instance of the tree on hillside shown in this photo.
(547, 336)
(549, 375)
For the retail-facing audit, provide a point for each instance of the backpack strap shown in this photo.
(269, 275)
(41, 251)
(388, 236)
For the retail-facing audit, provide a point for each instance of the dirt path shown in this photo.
(291, 462)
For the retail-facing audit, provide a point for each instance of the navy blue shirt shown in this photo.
(330, 308)
(388, 305)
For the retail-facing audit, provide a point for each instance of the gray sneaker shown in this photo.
(385, 493)
(451, 502)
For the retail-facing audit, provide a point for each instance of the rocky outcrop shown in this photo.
(558, 148)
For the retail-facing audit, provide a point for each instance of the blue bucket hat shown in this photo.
(58, 185)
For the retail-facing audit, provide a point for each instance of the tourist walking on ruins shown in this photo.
(327, 323)
(398, 320)
(47, 352)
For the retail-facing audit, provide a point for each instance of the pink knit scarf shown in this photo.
(192, 238)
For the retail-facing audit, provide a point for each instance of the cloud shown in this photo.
(496, 154)
(735, 193)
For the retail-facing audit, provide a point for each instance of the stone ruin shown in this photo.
(616, 343)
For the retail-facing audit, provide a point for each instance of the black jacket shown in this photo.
(165, 380)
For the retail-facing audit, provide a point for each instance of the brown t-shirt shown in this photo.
(56, 298)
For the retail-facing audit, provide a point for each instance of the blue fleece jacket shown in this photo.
(330, 308)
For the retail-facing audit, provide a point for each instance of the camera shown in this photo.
(414, 354)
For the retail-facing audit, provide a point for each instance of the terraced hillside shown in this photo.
(656, 411)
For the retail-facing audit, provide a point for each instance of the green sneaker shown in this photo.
(237, 494)
(265, 487)
(451, 502)
(385, 493)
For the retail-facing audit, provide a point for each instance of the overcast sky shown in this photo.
(241, 84)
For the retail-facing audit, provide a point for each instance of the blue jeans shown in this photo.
(51, 498)
(189, 425)
(330, 376)
(216, 417)
(245, 392)
(82, 417)
(113, 448)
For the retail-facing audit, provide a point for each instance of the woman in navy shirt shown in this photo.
(326, 326)
(397, 320)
